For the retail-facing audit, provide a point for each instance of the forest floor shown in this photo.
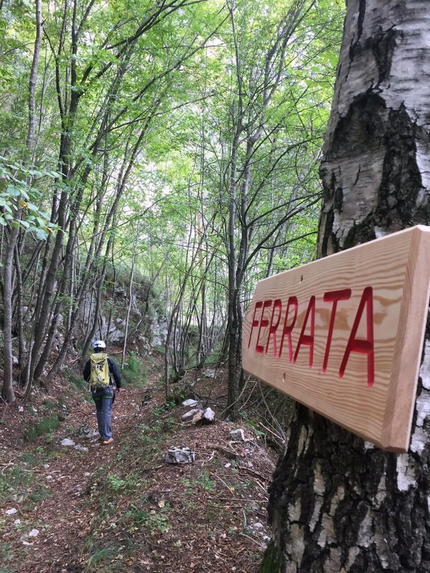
(88, 507)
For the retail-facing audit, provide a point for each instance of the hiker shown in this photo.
(104, 377)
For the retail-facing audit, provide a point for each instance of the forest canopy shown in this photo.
(167, 147)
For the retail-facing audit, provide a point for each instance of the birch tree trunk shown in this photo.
(337, 503)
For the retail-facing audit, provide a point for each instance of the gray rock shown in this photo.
(81, 448)
(180, 456)
(210, 373)
(238, 435)
(204, 416)
(190, 402)
(209, 415)
(190, 415)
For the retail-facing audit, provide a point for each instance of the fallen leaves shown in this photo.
(154, 516)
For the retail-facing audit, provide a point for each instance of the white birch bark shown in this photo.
(377, 154)
(337, 503)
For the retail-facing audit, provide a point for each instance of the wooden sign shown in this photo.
(343, 335)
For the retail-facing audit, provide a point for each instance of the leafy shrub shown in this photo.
(134, 371)
(40, 493)
(14, 482)
(45, 426)
(77, 381)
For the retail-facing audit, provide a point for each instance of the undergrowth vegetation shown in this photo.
(124, 508)
(45, 426)
(137, 498)
(134, 372)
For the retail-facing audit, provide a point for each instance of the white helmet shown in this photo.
(99, 345)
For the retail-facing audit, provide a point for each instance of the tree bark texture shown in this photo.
(339, 504)
(376, 167)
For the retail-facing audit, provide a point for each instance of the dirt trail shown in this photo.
(208, 516)
(61, 519)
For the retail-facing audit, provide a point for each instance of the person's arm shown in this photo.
(86, 372)
(114, 370)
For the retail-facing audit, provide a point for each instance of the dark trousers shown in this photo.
(103, 400)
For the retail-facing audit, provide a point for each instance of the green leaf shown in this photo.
(40, 234)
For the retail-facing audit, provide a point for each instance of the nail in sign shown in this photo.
(343, 335)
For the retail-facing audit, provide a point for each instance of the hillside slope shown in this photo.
(93, 508)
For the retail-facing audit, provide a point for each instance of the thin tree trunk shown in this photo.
(12, 238)
(18, 315)
(98, 299)
(130, 304)
(47, 291)
(8, 392)
(249, 121)
(33, 76)
(337, 503)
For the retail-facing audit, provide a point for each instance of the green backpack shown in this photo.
(99, 371)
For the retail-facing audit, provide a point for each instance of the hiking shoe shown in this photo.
(106, 442)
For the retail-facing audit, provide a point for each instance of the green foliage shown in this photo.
(271, 559)
(118, 274)
(19, 483)
(40, 493)
(206, 482)
(115, 483)
(29, 458)
(43, 427)
(142, 152)
(105, 487)
(176, 397)
(16, 482)
(141, 158)
(49, 405)
(19, 198)
(134, 371)
(76, 380)
(154, 522)
(101, 555)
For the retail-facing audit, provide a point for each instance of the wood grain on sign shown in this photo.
(343, 335)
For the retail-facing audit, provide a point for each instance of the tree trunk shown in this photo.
(7, 392)
(337, 503)
(130, 303)
(13, 236)
(33, 78)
